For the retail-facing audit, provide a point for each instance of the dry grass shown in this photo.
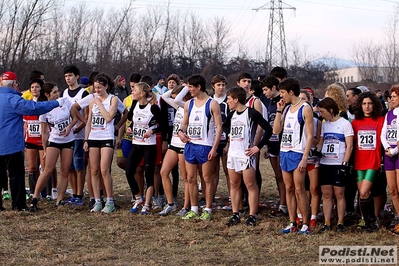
(74, 236)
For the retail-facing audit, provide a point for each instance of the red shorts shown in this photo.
(158, 160)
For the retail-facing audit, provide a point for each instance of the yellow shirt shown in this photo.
(27, 95)
(128, 104)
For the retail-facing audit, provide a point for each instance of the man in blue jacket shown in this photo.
(12, 108)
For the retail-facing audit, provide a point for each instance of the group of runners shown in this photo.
(319, 151)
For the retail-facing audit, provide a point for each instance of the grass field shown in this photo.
(74, 236)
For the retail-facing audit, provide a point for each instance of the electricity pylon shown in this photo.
(276, 50)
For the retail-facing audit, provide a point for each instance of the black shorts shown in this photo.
(109, 143)
(33, 146)
(274, 148)
(176, 149)
(61, 146)
(329, 175)
(379, 185)
(220, 149)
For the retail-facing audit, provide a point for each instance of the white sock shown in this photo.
(194, 209)
(209, 210)
(299, 215)
(313, 217)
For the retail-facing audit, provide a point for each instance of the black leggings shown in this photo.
(149, 152)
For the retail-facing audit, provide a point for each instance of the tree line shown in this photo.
(49, 34)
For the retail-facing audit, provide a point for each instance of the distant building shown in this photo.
(359, 74)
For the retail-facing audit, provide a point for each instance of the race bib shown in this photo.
(237, 133)
(194, 131)
(138, 132)
(171, 116)
(391, 135)
(286, 139)
(275, 138)
(330, 148)
(175, 131)
(366, 139)
(60, 125)
(34, 129)
(98, 122)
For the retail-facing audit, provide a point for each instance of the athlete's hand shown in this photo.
(226, 149)
(147, 134)
(129, 131)
(97, 101)
(280, 105)
(252, 151)
(86, 146)
(266, 153)
(118, 143)
(44, 155)
(212, 154)
(388, 152)
(302, 166)
(67, 131)
(183, 137)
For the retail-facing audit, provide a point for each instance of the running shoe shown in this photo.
(227, 207)
(289, 229)
(6, 195)
(145, 210)
(395, 230)
(33, 206)
(202, 203)
(251, 221)
(91, 203)
(304, 230)
(176, 202)
(156, 203)
(182, 212)
(205, 216)
(168, 209)
(313, 223)
(361, 225)
(393, 223)
(49, 198)
(108, 208)
(374, 226)
(78, 202)
(299, 221)
(340, 228)
(233, 220)
(241, 213)
(97, 207)
(54, 193)
(325, 228)
(190, 216)
(71, 201)
(277, 213)
(137, 204)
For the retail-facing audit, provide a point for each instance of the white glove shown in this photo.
(61, 101)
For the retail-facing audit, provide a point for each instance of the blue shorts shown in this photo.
(126, 146)
(196, 154)
(289, 161)
(78, 154)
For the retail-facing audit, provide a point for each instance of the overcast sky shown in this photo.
(325, 27)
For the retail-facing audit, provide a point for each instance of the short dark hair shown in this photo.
(244, 75)
(290, 85)
(269, 82)
(256, 88)
(355, 91)
(147, 79)
(197, 80)
(237, 93)
(35, 74)
(92, 76)
(72, 69)
(218, 78)
(135, 77)
(330, 105)
(279, 72)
